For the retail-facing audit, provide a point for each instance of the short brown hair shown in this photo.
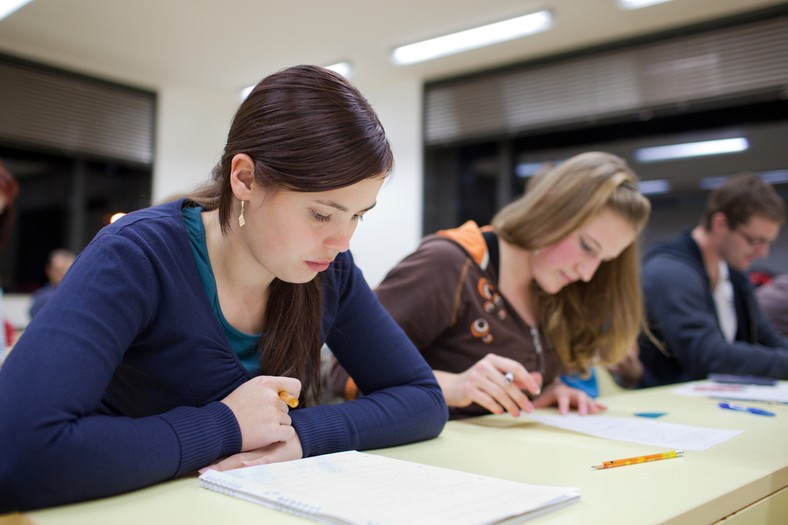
(741, 197)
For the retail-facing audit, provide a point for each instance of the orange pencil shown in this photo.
(291, 400)
(639, 459)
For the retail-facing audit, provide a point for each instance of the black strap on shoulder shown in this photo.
(491, 238)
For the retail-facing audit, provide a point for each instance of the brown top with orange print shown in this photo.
(445, 297)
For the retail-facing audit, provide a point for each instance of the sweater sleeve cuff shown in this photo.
(205, 434)
(323, 431)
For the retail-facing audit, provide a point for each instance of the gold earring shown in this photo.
(241, 220)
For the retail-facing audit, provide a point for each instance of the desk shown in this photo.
(743, 479)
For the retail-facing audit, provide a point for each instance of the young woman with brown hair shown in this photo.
(167, 345)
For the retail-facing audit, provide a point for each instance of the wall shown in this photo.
(190, 134)
(393, 228)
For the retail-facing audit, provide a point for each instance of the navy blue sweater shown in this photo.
(682, 314)
(116, 384)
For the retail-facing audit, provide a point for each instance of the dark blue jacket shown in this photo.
(117, 383)
(682, 314)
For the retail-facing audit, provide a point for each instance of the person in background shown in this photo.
(550, 287)
(58, 263)
(179, 332)
(700, 302)
(772, 298)
(9, 189)
(628, 372)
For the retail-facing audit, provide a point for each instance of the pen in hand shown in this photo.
(508, 379)
(742, 408)
(288, 398)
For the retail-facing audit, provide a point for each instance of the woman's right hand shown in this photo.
(485, 384)
(261, 414)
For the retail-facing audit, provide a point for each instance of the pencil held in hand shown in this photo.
(639, 459)
(291, 400)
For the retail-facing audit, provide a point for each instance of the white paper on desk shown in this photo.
(357, 488)
(669, 435)
(777, 393)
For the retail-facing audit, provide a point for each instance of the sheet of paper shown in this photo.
(775, 394)
(649, 432)
(354, 487)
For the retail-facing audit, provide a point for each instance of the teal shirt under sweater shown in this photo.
(242, 344)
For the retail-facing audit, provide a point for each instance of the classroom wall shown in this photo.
(393, 228)
(191, 129)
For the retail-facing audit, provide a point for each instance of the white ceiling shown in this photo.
(219, 45)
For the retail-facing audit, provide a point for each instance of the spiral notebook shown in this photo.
(354, 488)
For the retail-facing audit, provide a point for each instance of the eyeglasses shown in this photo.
(754, 242)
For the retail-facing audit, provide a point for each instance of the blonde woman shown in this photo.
(551, 287)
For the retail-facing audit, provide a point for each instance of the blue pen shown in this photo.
(751, 410)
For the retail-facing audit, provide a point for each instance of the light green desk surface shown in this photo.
(743, 479)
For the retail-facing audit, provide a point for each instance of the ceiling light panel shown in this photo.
(473, 38)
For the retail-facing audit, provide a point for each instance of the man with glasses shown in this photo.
(700, 303)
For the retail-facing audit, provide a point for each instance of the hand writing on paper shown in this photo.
(273, 453)
(485, 384)
(566, 397)
(262, 415)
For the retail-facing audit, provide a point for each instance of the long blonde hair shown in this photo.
(599, 319)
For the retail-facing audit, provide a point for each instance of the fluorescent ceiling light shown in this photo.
(526, 170)
(637, 4)
(691, 149)
(770, 177)
(343, 68)
(245, 91)
(775, 177)
(654, 187)
(712, 181)
(9, 6)
(473, 38)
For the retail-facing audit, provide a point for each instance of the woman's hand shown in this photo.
(261, 414)
(485, 384)
(273, 453)
(565, 397)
